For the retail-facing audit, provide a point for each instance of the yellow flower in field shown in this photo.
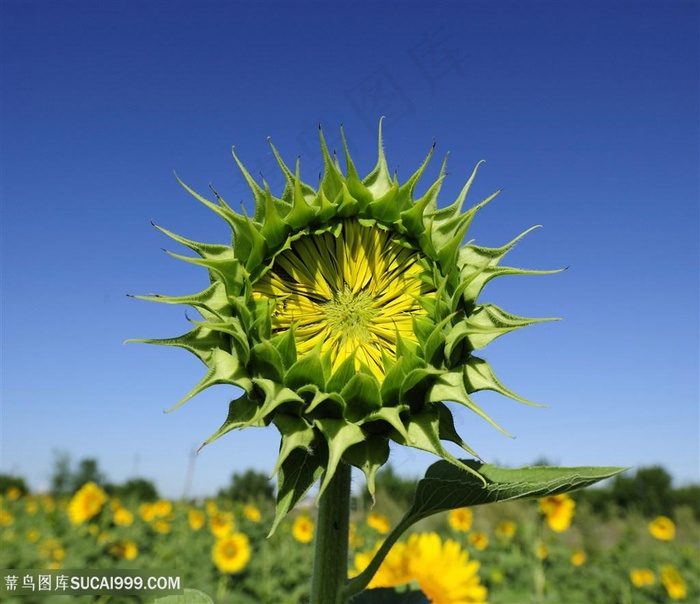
(123, 517)
(126, 550)
(6, 519)
(51, 548)
(443, 570)
(33, 536)
(147, 512)
(252, 513)
(505, 529)
(86, 503)
(48, 503)
(662, 528)
(642, 577)
(161, 526)
(9, 535)
(31, 506)
(461, 519)
(163, 509)
(558, 511)
(196, 519)
(479, 540)
(378, 522)
(221, 524)
(541, 550)
(103, 537)
(354, 540)
(303, 529)
(13, 493)
(675, 585)
(211, 507)
(394, 569)
(232, 553)
(578, 558)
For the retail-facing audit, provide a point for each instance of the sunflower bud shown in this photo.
(347, 315)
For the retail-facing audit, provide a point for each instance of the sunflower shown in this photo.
(123, 517)
(303, 529)
(126, 550)
(348, 315)
(662, 528)
(642, 577)
(506, 529)
(378, 522)
(86, 503)
(6, 518)
(232, 553)
(479, 540)
(558, 511)
(252, 513)
(460, 519)
(196, 519)
(221, 524)
(675, 585)
(394, 569)
(578, 558)
(443, 570)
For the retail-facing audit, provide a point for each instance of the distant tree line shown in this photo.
(648, 491)
(67, 478)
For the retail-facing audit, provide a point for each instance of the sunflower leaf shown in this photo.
(297, 473)
(446, 486)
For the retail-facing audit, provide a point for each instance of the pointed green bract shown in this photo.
(347, 314)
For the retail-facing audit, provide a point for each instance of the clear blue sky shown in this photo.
(585, 112)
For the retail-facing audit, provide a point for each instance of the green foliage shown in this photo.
(248, 487)
(279, 569)
(61, 476)
(7, 481)
(392, 485)
(140, 489)
(447, 487)
(648, 491)
(688, 496)
(65, 479)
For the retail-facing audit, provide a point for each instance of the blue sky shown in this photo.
(585, 112)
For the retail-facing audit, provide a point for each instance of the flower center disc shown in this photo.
(353, 292)
(351, 314)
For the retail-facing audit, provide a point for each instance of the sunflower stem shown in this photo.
(331, 548)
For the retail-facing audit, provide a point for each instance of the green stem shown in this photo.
(362, 580)
(357, 584)
(331, 547)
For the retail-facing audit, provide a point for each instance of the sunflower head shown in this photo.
(347, 314)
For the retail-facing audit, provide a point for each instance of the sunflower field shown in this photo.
(556, 549)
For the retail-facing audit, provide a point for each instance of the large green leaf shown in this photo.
(298, 472)
(446, 487)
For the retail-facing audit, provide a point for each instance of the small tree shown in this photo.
(7, 481)
(137, 488)
(249, 486)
